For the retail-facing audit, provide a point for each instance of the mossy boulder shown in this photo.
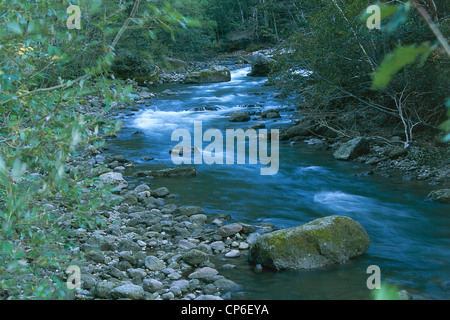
(323, 242)
(213, 75)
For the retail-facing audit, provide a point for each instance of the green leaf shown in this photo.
(14, 27)
(395, 61)
(18, 169)
(387, 292)
(385, 10)
(2, 165)
(398, 17)
(397, 14)
(6, 247)
(33, 27)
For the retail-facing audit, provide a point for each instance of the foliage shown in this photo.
(396, 61)
(130, 65)
(46, 72)
(446, 125)
(386, 292)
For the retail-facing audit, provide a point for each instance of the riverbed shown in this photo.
(410, 241)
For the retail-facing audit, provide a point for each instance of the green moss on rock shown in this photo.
(322, 242)
(215, 74)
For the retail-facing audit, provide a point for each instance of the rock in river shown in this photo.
(239, 116)
(442, 196)
(262, 66)
(215, 74)
(322, 242)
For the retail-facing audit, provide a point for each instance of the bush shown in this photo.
(129, 65)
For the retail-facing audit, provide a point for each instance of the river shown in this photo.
(410, 238)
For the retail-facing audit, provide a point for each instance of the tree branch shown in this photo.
(423, 12)
(125, 25)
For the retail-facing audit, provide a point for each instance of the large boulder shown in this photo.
(352, 149)
(326, 241)
(441, 196)
(213, 75)
(261, 66)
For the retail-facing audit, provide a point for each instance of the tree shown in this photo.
(343, 55)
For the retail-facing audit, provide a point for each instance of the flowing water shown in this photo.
(410, 238)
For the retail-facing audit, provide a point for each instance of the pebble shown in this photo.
(233, 254)
(152, 285)
(243, 246)
(141, 243)
(203, 273)
(128, 291)
(154, 264)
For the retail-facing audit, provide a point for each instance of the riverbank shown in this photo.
(145, 247)
(384, 153)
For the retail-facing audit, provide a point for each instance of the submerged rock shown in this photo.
(322, 242)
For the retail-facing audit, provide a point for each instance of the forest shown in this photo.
(91, 90)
